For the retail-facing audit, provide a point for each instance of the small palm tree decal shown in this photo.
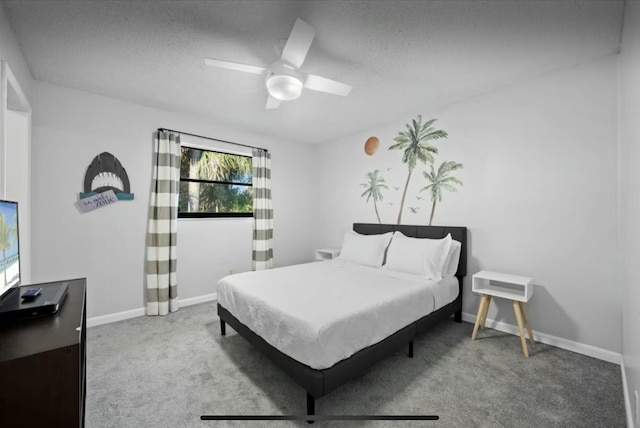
(374, 187)
(415, 143)
(441, 180)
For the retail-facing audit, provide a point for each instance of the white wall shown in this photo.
(630, 191)
(18, 182)
(108, 245)
(227, 244)
(539, 195)
(15, 154)
(10, 52)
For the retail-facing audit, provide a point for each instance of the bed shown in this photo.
(307, 346)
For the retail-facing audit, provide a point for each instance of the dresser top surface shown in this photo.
(23, 337)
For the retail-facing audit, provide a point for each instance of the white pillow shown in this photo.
(418, 256)
(453, 258)
(364, 249)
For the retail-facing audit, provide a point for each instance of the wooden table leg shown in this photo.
(526, 322)
(523, 339)
(486, 310)
(483, 303)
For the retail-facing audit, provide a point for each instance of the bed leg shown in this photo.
(311, 406)
(411, 349)
(223, 328)
(458, 316)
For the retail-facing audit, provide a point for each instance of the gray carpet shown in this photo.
(167, 371)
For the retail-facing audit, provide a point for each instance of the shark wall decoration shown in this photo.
(106, 173)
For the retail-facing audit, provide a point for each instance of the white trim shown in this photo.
(200, 299)
(119, 316)
(3, 128)
(559, 342)
(627, 398)
(8, 80)
(135, 313)
(24, 106)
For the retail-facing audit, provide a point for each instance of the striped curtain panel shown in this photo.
(162, 281)
(262, 211)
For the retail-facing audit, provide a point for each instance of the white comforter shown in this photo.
(323, 312)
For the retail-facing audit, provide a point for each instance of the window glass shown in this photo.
(215, 184)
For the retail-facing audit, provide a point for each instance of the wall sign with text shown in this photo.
(105, 183)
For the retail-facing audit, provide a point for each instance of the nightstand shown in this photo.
(327, 253)
(519, 289)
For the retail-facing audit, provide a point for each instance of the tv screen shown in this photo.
(9, 246)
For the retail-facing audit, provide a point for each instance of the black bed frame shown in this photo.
(320, 382)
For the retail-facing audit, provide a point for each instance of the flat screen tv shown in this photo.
(9, 247)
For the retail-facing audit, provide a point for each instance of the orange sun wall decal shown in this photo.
(371, 145)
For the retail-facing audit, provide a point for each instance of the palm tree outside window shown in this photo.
(214, 184)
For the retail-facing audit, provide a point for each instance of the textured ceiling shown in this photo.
(401, 57)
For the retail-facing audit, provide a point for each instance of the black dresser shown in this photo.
(42, 366)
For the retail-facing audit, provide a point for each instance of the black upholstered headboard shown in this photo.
(434, 232)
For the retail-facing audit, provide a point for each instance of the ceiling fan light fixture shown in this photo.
(284, 87)
(283, 78)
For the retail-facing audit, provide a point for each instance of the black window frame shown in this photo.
(198, 180)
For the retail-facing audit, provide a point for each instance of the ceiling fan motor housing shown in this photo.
(284, 81)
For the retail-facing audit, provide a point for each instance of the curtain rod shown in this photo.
(213, 139)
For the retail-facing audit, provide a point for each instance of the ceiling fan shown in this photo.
(284, 80)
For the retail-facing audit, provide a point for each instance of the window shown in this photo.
(214, 184)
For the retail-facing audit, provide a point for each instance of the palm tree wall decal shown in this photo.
(373, 189)
(415, 141)
(7, 236)
(441, 180)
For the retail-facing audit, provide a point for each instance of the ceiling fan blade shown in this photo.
(295, 51)
(255, 69)
(272, 103)
(322, 84)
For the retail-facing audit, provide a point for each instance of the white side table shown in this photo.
(327, 253)
(519, 289)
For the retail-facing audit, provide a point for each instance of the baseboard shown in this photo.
(200, 299)
(135, 313)
(627, 398)
(119, 316)
(559, 342)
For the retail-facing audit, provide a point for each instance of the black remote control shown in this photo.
(31, 293)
